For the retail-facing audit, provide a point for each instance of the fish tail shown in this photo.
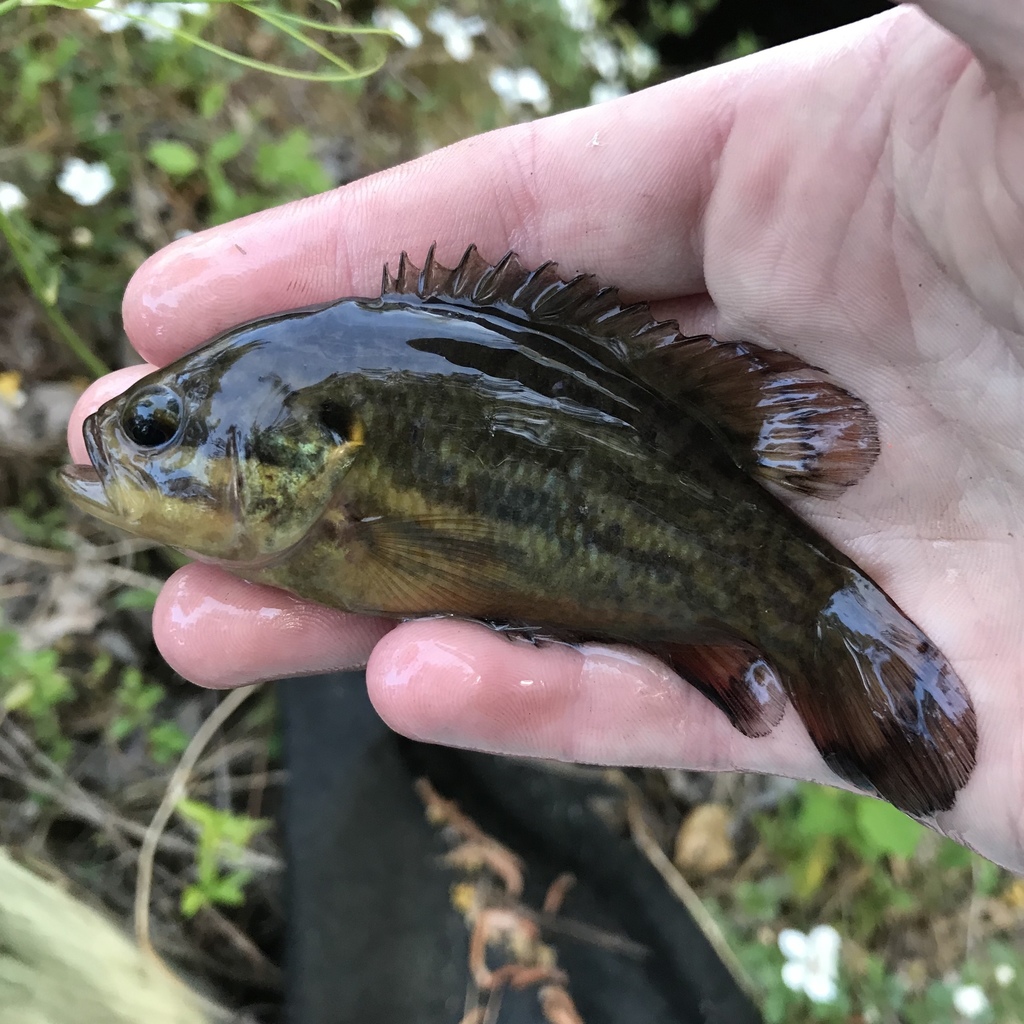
(882, 703)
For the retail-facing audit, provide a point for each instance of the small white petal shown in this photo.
(11, 197)
(970, 1000)
(441, 21)
(533, 90)
(1004, 973)
(794, 975)
(792, 944)
(408, 33)
(108, 15)
(194, 8)
(602, 55)
(820, 988)
(578, 14)
(474, 26)
(503, 82)
(825, 942)
(159, 22)
(459, 45)
(602, 92)
(639, 61)
(86, 183)
(457, 33)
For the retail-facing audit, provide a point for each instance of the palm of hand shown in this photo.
(891, 250)
(848, 199)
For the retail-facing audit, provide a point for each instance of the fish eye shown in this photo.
(337, 419)
(152, 418)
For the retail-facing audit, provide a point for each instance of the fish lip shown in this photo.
(84, 483)
(85, 487)
(92, 433)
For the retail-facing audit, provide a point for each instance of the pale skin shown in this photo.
(857, 199)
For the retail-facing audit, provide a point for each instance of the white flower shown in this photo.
(457, 33)
(601, 92)
(602, 55)
(108, 15)
(86, 183)
(812, 962)
(155, 21)
(521, 86)
(1004, 972)
(639, 61)
(970, 1000)
(159, 21)
(11, 197)
(394, 21)
(578, 14)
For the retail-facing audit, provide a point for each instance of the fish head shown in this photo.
(225, 455)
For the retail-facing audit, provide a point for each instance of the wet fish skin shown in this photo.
(496, 444)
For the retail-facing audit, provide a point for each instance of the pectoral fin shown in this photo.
(427, 564)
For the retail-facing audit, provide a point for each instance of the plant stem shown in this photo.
(57, 319)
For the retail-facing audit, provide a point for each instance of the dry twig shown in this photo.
(677, 884)
(176, 789)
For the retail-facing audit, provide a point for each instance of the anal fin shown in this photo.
(735, 678)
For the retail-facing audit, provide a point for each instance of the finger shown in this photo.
(994, 30)
(622, 190)
(92, 398)
(217, 630)
(465, 685)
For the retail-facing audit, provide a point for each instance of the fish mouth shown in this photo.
(84, 484)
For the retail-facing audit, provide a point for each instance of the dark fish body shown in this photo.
(498, 444)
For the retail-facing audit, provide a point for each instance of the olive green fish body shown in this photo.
(499, 444)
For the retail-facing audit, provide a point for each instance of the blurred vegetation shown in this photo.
(91, 719)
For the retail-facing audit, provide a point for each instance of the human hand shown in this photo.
(853, 198)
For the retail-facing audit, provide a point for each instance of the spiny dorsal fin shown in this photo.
(581, 303)
(785, 421)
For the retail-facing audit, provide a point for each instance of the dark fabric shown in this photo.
(374, 938)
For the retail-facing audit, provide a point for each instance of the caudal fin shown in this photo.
(883, 705)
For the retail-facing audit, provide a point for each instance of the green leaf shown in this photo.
(166, 741)
(193, 899)
(884, 830)
(823, 811)
(177, 159)
(225, 148)
(212, 100)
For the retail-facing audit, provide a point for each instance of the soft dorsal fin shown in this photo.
(782, 418)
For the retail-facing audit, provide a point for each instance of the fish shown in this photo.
(510, 446)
